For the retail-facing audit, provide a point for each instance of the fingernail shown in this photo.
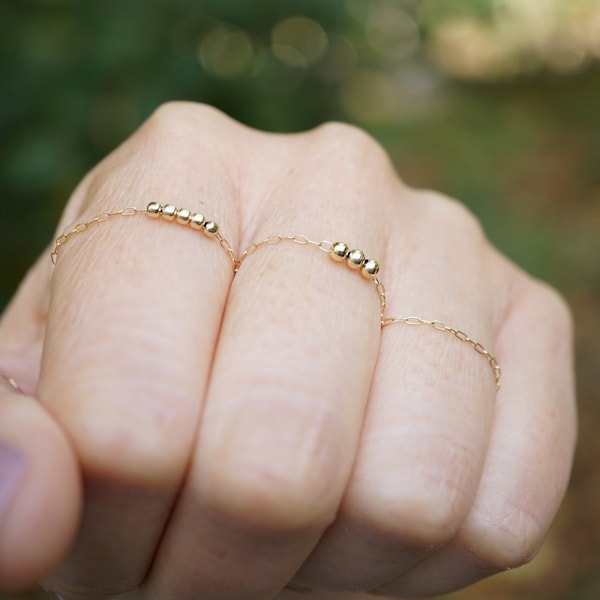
(12, 465)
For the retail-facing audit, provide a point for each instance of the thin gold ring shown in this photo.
(355, 259)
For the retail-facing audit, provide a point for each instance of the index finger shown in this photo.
(134, 314)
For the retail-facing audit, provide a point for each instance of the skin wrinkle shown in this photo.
(447, 485)
(163, 416)
(506, 521)
(317, 453)
(273, 381)
(265, 271)
(509, 502)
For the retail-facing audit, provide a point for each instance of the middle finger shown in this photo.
(291, 375)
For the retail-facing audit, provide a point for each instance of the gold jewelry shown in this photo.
(154, 210)
(463, 337)
(355, 259)
(338, 251)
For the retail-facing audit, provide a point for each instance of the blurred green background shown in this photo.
(496, 102)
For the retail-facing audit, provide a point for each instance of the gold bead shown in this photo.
(154, 209)
(339, 251)
(355, 259)
(183, 216)
(211, 228)
(169, 212)
(197, 220)
(370, 267)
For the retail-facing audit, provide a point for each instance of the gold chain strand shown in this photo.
(168, 212)
(338, 251)
(461, 335)
(82, 226)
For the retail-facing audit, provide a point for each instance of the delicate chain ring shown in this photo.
(460, 335)
(341, 252)
(338, 251)
(168, 212)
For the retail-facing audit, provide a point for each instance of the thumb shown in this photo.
(40, 490)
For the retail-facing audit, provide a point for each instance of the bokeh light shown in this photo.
(340, 59)
(298, 41)
(226, 52)
(391, 30)
(515, 37)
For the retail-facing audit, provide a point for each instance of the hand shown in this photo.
(237, 434)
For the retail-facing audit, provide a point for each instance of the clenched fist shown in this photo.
(194, 434)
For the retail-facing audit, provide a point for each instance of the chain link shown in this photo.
(460, 335)
(83, 226)
(227, 248)
(271, 240)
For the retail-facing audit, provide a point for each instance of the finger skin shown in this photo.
(22, 327)
(35, 534)
(135, 310)
(291, 376)
(42, 504)
(529, 459)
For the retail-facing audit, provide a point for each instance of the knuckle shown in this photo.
(428, 520)
(257, 496)
(272, 486)
(427, 505)
(351, 142)
(267, 497)
(177, 118)
(554, 307)
(170, 116)
(508, 541)
(136, 447)
(353, 161)
(453, 215)
(336, 131)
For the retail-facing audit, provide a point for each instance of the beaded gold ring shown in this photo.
(154, 210)
(339, 252)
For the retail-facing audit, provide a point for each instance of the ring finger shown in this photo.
(425, 435)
